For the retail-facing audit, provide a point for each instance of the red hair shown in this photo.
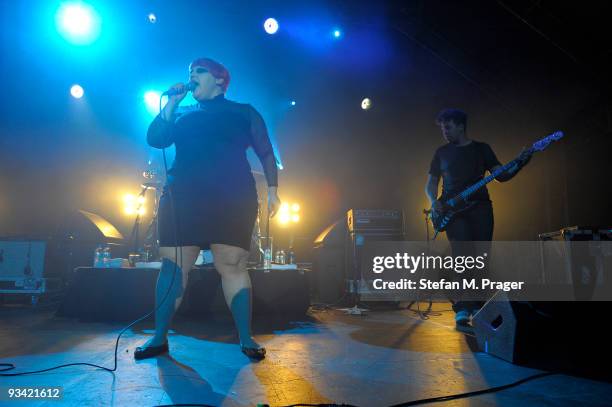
(215, 68)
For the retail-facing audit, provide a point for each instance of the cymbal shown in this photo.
(152, 185)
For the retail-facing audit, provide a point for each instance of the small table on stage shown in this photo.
(125, 294)
(110, 294)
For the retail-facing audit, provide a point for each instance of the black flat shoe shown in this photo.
(254, 353)
(150, 351)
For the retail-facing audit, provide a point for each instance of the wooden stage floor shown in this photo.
(384, 358)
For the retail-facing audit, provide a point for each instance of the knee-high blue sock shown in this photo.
(165, 312)
(241, 310)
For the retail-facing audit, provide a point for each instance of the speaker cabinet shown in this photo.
(564, 336)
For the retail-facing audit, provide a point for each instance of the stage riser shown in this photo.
(127, 294)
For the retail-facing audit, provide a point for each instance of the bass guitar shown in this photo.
(440, 219)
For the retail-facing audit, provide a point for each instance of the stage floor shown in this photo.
(384, 358)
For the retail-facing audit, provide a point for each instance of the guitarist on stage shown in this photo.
(460, 163)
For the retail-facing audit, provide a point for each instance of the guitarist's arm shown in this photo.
(431, 190)
(506, 175)
(522, 161)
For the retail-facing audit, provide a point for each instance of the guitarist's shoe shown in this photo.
(462, 322)
(254, 353)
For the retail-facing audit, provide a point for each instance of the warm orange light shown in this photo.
(283, 218)
(134, 204)
(288, 213)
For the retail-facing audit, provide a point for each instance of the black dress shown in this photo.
(210, 196)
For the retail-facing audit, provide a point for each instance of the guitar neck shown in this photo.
(540, 145)
(465, 194)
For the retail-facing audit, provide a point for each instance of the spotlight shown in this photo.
(271, 26)
(77, 91)
(283, 218)
(337, 33)
(292, 103)
(366, 103)
(152, 18)
(78, 23)
(151, 99)
(133, 204)
(288, 213)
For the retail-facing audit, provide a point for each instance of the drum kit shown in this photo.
(149, 249)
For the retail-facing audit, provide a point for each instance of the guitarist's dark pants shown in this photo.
(474, 224)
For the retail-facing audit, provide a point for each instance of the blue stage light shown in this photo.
(152, 18)
(337, 33)
(151, 99)
(292, 103)
(271, 26)
(78, 23)
(77, 91)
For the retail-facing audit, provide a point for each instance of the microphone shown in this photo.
(189, 87)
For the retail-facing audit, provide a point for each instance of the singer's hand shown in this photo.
(274, 201)
(173, 101)
(176, 99)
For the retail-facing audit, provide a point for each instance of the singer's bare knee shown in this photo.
(186, 255)
(229, 259)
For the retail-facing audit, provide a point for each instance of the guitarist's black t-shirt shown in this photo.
(461, 167)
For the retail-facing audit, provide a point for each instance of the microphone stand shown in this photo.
(424, 314)
(150, 244)
(135, 229)
(268, 243)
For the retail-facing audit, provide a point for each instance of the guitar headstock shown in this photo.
(540, 145)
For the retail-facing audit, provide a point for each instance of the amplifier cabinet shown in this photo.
(354, 260)
(22, 264)
(361, 220)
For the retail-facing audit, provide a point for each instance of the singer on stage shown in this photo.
(210, 200)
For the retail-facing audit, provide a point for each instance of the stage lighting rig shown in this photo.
(289, 214)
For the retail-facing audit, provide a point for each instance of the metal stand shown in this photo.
(353, 280)
(150, 243)
(424, 314)
(134, 238)
(150, 240)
